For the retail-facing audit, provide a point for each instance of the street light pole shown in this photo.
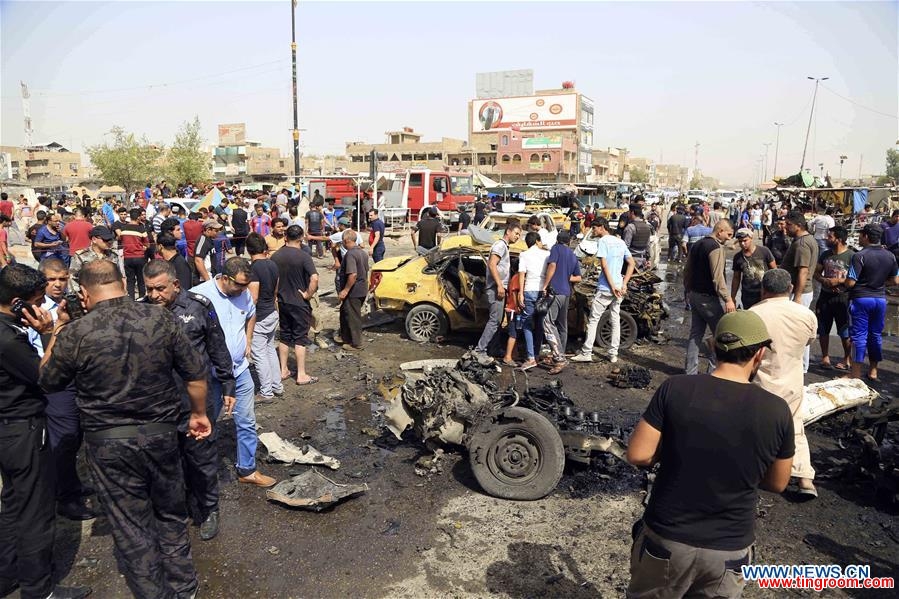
(296, 122)
(817, 80)
(776, 148)
(766, 160)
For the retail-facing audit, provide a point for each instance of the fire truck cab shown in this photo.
(418, 189)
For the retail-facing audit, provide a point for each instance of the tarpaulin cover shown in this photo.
(798, 180)
(859, 199)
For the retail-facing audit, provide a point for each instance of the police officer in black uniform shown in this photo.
(197, 317)
(27, 503)
(121, 356)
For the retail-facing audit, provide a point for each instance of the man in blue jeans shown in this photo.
(498, 266)
(706, 286)
(237, 317)
(870, 271)
(532, 273)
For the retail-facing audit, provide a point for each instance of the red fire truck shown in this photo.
(416, 189)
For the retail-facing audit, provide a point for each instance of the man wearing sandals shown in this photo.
(792, 327)
(833, 302)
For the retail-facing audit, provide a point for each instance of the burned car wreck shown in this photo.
(517, 442)
(444, 292)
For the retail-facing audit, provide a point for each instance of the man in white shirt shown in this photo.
(819, 226)
(792, 327)
(531, 268)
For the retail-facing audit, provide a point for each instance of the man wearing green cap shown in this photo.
(724, 439)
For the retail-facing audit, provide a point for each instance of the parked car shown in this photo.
(444, 292)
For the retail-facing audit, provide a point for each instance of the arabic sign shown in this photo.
(232, 134)
(525, 113)
(541, 143)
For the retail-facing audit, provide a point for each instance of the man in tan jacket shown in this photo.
(792, 327)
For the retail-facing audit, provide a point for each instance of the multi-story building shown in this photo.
(43, 165)
(324, 165)
(404, 149)
(608, 166)
(646, 165)
(554, 125)
(672, 176)
(237, 158)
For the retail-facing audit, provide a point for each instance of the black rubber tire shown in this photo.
(628, 331)
(424, 322)
(517, 454)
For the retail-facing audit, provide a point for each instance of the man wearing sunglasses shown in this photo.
(233, 304)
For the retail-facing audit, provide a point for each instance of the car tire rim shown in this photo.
(425, 324)
(515, 458)
(625, 330)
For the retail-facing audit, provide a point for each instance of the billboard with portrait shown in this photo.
(525, 113)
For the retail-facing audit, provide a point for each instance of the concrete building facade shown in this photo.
(237, 158)
(404, 149)
(43, 165)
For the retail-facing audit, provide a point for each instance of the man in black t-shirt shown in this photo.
(297, 284)
(724, 438)
(241, 226)
(426, 234)
(263, 287)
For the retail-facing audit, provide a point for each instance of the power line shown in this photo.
(851, 101)
(165, 84)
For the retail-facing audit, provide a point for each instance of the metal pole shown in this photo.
(296, 123)
(776, 148)
(766, 160)
(810, 115)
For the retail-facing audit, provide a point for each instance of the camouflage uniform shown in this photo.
(86, 256)
(197, 318)
(121, 357)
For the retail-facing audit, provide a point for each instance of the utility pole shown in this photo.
(817, 81)
(296, 122)
(776, 148)
(842, 160)
(28, 140)
(766, 160)
(695, 158)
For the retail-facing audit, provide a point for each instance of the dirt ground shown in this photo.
(440, 536)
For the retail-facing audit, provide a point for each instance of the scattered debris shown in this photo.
(313, 491)
(273, 550)
(393, 528)
(285, 451)
(87, 562)
(427, 364)
(430, 464)
(371, 432)
(823, 399)
(632, 376)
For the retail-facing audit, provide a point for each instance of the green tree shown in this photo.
(893, 164)
(127, 161)
(696, 182)
(186, 160)
(638, 175)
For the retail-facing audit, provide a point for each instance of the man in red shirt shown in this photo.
(6, 206)
(77, 232)
(193, 229)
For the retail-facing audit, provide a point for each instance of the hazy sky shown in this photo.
(662, 75)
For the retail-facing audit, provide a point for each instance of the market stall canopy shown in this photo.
(798, 180)
(480, 180)
(111, 189)
(212, 199)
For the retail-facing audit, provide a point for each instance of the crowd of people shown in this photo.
(139, 326)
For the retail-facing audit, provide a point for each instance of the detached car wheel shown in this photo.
(425, 322)
(517, 454)
(628, 331)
